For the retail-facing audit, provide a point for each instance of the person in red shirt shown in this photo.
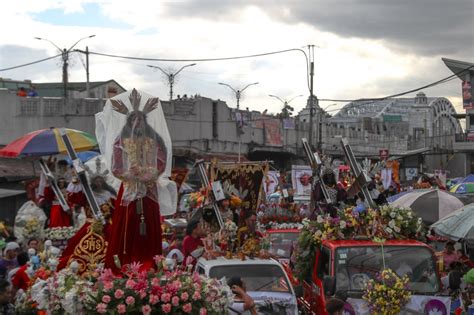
(20, 278)
(192, 240)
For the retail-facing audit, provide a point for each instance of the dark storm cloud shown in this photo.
(427, 27)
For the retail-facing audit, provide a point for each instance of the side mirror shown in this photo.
(329, 285)
(298, 291)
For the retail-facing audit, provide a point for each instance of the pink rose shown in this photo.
(175, 301)
(142, 294)
(119, 294)
(184, 296)
(155, 282)
(129, 284)
(202, 311)
(101, 308)
(121, 308)
(154, 299)
(106, 299)
(196, 296)
(130, 300)
(108, 285)
(165, 297)
(166, 308)
(187, 308)
(146, 309)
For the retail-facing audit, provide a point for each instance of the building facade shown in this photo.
(419, 131)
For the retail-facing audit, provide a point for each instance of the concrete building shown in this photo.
(420, 131)
(464, 142)
(101, 89)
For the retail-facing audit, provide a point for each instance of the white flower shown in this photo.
(342, 224)
(320, 219)
(306, 222)
(318, 233)
(389, 230)
(393, 215)
(397, 229)
(399, 218)
(391, 223)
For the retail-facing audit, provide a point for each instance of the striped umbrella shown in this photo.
(458, 225)
(47, 142)
(430, 205)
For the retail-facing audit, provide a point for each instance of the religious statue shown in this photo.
(139, 157)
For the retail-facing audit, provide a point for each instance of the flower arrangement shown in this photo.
(274, 214)
(160, 291)
(196, 199)
(387, 293)
(386, 223)
(60, 233)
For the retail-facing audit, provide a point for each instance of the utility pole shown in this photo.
(311, 103)
(171, 76)
(87, 72)
(65, 58)
(238, 93)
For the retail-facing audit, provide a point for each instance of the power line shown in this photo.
(30, 63)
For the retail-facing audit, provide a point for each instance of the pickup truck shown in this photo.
(265, 280)
(343, 267)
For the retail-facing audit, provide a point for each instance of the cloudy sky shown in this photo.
(365, 48)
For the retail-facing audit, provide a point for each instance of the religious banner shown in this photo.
(179, 175)
(411, 173)
(467, 100)
(270, 182)
(272, 132)
(241, 180)
(301, 179)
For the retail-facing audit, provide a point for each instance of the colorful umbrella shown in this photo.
(430, 205)
(84, 156)
(47, 142)
(468, 179)
(463, 188)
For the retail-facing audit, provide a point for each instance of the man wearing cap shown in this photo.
(9, 260)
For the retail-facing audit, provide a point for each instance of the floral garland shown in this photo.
(274, 214)
(387, 222)
(388, 293)
(60, 233)
(163, 291)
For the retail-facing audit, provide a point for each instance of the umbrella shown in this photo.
(431, 205)
(463, 188)
(458, 225)
(48, 142)
(391, 199)
(83, 156)
(468, 179)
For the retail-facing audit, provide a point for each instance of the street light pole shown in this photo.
(286, 103)
(65, 58)
(311, 101)
(171, 76)
(238, 94)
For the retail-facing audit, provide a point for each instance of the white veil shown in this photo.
(109, 124)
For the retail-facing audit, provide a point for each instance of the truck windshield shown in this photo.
(281, 243)
(269, 278)
(354, 266)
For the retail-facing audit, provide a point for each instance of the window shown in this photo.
(324, 263)
(200, 270)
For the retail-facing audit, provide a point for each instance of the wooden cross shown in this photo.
(315, 163)
(362, 179)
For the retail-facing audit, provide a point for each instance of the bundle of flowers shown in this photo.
(60, 233)
(196, 200)
(387, 293)
(29, 222)
(277, 214)
(62, 292)
(158, 292)
(162, 291)
(387, 223)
